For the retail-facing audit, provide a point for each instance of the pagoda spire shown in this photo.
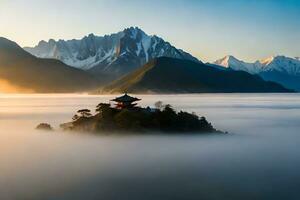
(125, 101)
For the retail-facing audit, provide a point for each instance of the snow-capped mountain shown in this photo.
(238, 65)
(282, 64)
(114, 54)
(281, 69)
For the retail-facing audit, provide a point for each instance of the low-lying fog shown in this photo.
(259, 160)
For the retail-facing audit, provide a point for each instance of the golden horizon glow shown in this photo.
(8, 88)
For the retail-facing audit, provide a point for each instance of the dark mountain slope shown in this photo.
(169, 75)
(22, 70)
(287, 80)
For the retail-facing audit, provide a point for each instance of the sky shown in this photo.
(208, 29)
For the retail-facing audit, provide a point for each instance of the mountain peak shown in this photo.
(91, 35)
(230, 57)
(267, 61)
(114, 54)
(31, 74)
(42, 42)
(5, 41)
(225, 61)
(133, 32)
(281, 69)
(51, 41)
(132, 28)
(8, 45)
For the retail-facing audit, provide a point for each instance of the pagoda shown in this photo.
(125, 101)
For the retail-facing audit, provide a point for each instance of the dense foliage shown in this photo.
(162, 118)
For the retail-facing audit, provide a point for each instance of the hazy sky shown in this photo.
(209, 29)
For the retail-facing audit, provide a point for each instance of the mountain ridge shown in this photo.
(20, 69)
(279, 69)
(114, 55)
(171, 75)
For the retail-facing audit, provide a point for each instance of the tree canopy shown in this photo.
(84, 113)
(164, 118)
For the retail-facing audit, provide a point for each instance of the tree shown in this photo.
(44, 126)
(159, 105)
(188, 121)
(75, 117)
(84, 113)
(168, 118)
(102, 106)
(168, 109)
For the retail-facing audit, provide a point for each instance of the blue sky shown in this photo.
(209, 29)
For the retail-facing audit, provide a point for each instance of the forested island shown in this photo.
(126, 116)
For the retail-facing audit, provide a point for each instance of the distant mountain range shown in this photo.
(109, 56)
(23, 72)
(133, 61)
(171, 75)
(280, 69)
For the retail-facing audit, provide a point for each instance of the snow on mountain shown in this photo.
(117, 53)
(238, 65)
(266, 61)
(285, 65)
(290, 66)
(280, 69)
